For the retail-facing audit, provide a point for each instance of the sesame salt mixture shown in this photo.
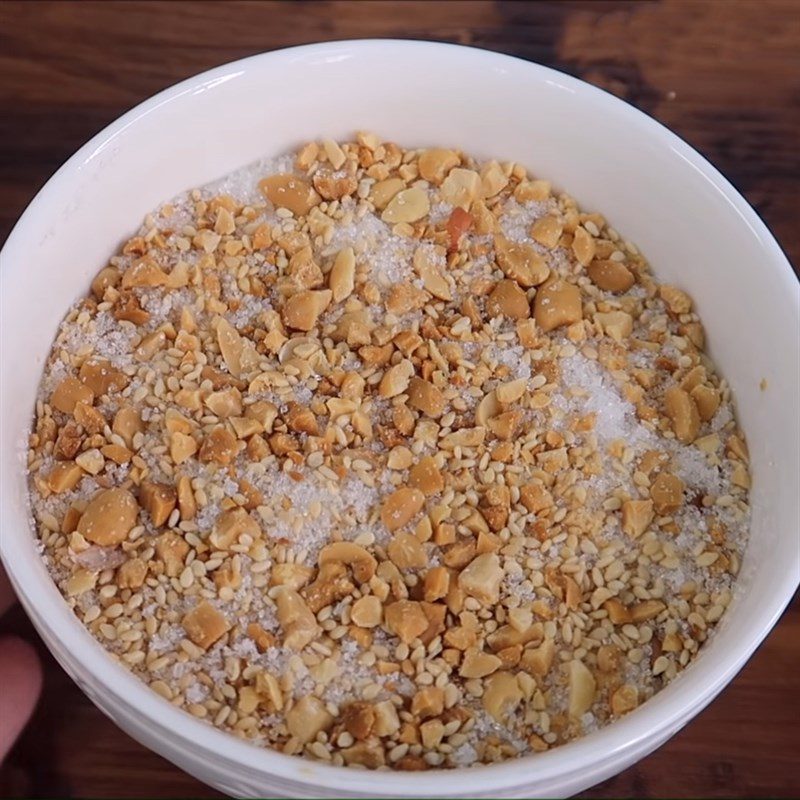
(389, 458)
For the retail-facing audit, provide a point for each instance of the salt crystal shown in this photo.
(243, 182)
(439, 211)
(517, 217)
(317, 507)
(196, 693)
(464, 756)
(514, 357)
(616, 417)
(387, 255)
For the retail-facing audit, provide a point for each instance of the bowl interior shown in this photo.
(689, 222)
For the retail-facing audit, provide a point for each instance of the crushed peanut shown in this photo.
(389, 458)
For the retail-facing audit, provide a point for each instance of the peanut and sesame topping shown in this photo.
(389, 458)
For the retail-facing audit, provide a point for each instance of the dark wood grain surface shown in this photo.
(723, 75)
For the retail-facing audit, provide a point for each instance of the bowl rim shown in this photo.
(598, 753)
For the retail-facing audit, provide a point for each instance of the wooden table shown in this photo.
(724, 75)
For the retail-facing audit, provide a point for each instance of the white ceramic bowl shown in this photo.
(695, 228)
